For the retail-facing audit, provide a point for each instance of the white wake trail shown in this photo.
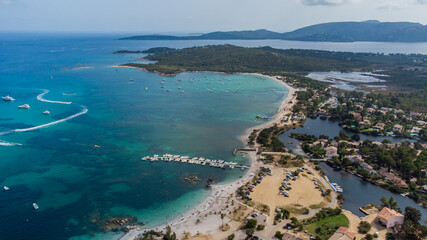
(9, 144)
(40, 98)
(84, 111)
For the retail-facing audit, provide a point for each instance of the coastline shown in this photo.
(216, 200)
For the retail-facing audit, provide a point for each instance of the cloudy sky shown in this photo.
(197, 16)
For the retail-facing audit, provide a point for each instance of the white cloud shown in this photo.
(6, 2)
(422, 1)
(324, 2)
(390, 6)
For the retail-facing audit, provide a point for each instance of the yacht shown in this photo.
(35, 206)
(46, 112)
(8, 98)
(25, 106)
(5, 188)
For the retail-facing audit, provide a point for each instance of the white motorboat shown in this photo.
(8, 98)
(35, 206)
(5, 188)
(25, 106)
(46, 112)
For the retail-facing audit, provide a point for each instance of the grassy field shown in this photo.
(332, 223)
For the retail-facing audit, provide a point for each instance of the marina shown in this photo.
(198, 161)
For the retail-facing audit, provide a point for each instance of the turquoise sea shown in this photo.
(52, 159)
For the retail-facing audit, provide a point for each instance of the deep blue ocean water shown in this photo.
(77, 185)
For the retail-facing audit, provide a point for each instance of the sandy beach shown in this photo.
(204, 217)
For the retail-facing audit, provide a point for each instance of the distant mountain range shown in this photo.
(367, 31)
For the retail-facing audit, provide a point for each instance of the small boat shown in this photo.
(8, 98)
(46, 112)
(25, 106)
(182, 91)
(35, 206)
(5, 188)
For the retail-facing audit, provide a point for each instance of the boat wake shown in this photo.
(9, 144)
(40, 98)
(84, 111)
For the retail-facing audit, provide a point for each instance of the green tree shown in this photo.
(389, 203)
(364, 227)
(412, 214)
(169, 235)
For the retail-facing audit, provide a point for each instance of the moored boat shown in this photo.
(8, 98)
(25, 106)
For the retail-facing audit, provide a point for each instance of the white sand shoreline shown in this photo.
(215, 202)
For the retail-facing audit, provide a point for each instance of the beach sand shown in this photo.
(204, 218)
(302, 193)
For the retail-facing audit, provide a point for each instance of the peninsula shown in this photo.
(398, 70)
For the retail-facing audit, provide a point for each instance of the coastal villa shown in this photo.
(356, 116)
(397, 128)
(421, 123)
(393, 178)
(415, 130)
(368, 168)
(371, 110)
(355, 158)
(359, 106)
(331, 152)
(392, 145)
(389, 218)
(365, 122)
(343, 233)
(408, 118)
(379, 126)
(385, 109)
(417, 114)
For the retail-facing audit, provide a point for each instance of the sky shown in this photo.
(196, 16)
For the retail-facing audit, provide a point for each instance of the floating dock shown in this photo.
(198, 161)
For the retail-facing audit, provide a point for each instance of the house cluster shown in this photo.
(352, 152)
(382, 120)
(386, 217)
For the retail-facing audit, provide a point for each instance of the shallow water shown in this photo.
(76, 184)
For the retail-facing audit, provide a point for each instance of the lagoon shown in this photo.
(358, 193)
